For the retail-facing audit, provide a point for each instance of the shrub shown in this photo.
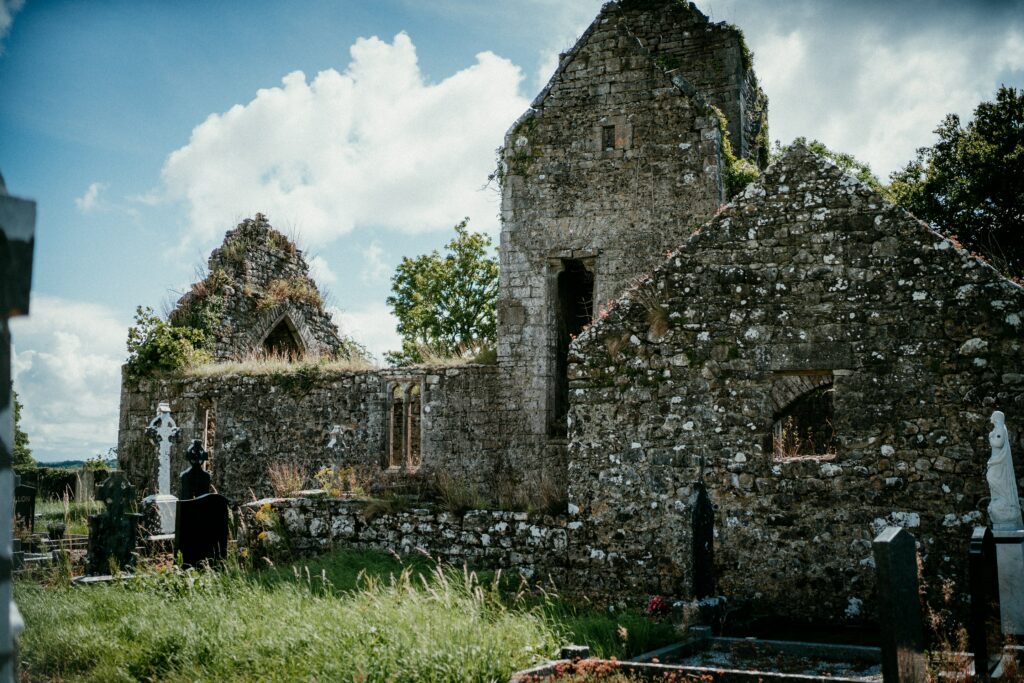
(155, 346)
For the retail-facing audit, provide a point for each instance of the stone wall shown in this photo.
(615, 163)
(314, 418)
(807, 274)
(534, 546)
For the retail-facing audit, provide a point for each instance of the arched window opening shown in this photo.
(412, 438)
(396, 451)
(283, 341)
(405, 427)
(804, 428)
(574, 311)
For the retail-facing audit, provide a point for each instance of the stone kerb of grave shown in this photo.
(1007, 527)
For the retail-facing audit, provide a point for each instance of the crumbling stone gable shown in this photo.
(807, 273)
(258, 298)
(618, 159)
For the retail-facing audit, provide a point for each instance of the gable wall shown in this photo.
(815, 274)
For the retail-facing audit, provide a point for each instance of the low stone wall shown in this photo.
(535, 546)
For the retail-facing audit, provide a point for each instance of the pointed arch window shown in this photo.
(283, 340)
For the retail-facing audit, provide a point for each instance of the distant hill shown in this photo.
(74, 464)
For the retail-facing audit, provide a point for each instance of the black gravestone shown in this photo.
(201, 529)
(25, 507)
(195, 481)
(899, 607)
(113, 532)
(984, 628)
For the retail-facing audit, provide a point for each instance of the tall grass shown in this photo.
(348, 616)
(74, 515)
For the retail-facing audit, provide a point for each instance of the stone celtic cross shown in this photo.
(162, 430)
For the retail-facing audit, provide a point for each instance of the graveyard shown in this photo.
(746, 418)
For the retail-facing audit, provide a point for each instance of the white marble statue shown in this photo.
(1004, 508)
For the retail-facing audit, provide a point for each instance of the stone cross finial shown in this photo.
(1004, 508)
(162, 430)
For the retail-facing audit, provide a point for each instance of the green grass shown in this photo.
(74, 515)
(345, 616)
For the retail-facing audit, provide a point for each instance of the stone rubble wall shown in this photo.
(290, 417)
(808, 271)
(534, 546)
(566, 197)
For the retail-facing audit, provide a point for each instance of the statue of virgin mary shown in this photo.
(1004, 508)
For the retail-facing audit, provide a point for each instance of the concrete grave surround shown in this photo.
(711, 322)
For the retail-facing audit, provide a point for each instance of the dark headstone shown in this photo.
(25, 507)
(195, 481)
(201, 529)
(899, 607)
(703, 544)
(113, 533)
(984, 634)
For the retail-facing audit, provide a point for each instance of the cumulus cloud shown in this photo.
(321, 272)
(375, 146)
(8, 8)
(89, 201)
(375, 268)
(374, 327)
(875, 78)
(67, 360)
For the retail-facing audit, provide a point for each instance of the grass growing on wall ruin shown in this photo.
(346, 616)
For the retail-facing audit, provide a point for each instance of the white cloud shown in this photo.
(8, 8)
(67, 367)
(566, 21)
(321, 272)
(373, 326)
(374, 146)
(375, 269)
(90, 200)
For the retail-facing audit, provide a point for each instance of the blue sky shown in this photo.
(144, 130)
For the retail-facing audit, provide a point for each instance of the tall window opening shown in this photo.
(804, 426)
(608, 138)
(404, 428)
(574, 311)
(283, 341)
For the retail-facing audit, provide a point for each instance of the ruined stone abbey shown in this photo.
(816, 360)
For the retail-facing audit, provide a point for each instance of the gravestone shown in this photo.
(201, 529)
(162, 431)
(899, 607)
(983, 632)
(25, 507)
(195, 481)
(113, 533)
(1007, 527)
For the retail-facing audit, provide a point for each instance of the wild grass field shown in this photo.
(348, 616)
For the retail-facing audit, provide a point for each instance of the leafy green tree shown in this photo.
(970, 184)
(446, 304)
(155, 346)
(22, 453)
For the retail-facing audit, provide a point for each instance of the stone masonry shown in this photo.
(807, 274)
(614, 164)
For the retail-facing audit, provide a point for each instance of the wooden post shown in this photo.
(899, 607)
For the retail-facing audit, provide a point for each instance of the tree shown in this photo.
(446, 305)
(156, 346)
(22, 453)
(970, 184)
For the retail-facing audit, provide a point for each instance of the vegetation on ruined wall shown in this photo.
(446, 304)
(738, 173)
(156, 346)
(969, 184)
(345, 616)
(292, 289)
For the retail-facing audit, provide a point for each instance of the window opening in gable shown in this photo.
(608, 138)
(804, 428)
(574, 311)
(283, 341)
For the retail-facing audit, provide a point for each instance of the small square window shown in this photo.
(608, 138)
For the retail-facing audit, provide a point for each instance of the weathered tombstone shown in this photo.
(17, 239)
(703, 544)
(25, 507)
(85, 486)
(1007, 526)
(899, 607)
(201, 529)
(113, 533)
(983, 632)
(195, 481)
(162, 431)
